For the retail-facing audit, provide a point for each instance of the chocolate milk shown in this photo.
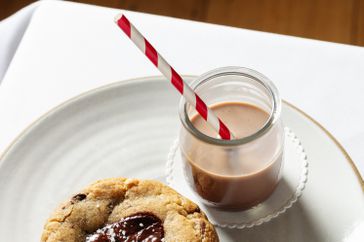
(234, 177)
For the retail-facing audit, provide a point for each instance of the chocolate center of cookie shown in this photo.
(137, 227)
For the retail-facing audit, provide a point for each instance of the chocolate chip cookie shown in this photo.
(120, 209)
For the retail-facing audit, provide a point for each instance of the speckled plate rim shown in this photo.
(34, 124)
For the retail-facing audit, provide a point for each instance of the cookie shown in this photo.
(120, 209)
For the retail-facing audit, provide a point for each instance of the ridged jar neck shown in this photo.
(255, 79)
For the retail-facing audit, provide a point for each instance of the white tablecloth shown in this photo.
(11, 32)
(68, 48)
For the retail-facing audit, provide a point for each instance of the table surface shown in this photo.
(69, 48)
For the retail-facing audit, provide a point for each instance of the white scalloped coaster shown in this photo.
(294, 179)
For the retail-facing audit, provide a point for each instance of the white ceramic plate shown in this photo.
(126, 129)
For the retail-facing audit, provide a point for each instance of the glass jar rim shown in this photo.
(236, 71)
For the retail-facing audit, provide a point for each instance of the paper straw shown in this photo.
(192, 98)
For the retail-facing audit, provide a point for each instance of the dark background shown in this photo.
(332, 20)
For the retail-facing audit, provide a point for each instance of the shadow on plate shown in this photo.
(296, 224)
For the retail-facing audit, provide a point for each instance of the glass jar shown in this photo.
(238, 173)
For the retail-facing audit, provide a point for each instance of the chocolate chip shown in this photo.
(79, 197)
(203, 227)
(143, 226)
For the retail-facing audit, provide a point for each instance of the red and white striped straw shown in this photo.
(187, 92)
